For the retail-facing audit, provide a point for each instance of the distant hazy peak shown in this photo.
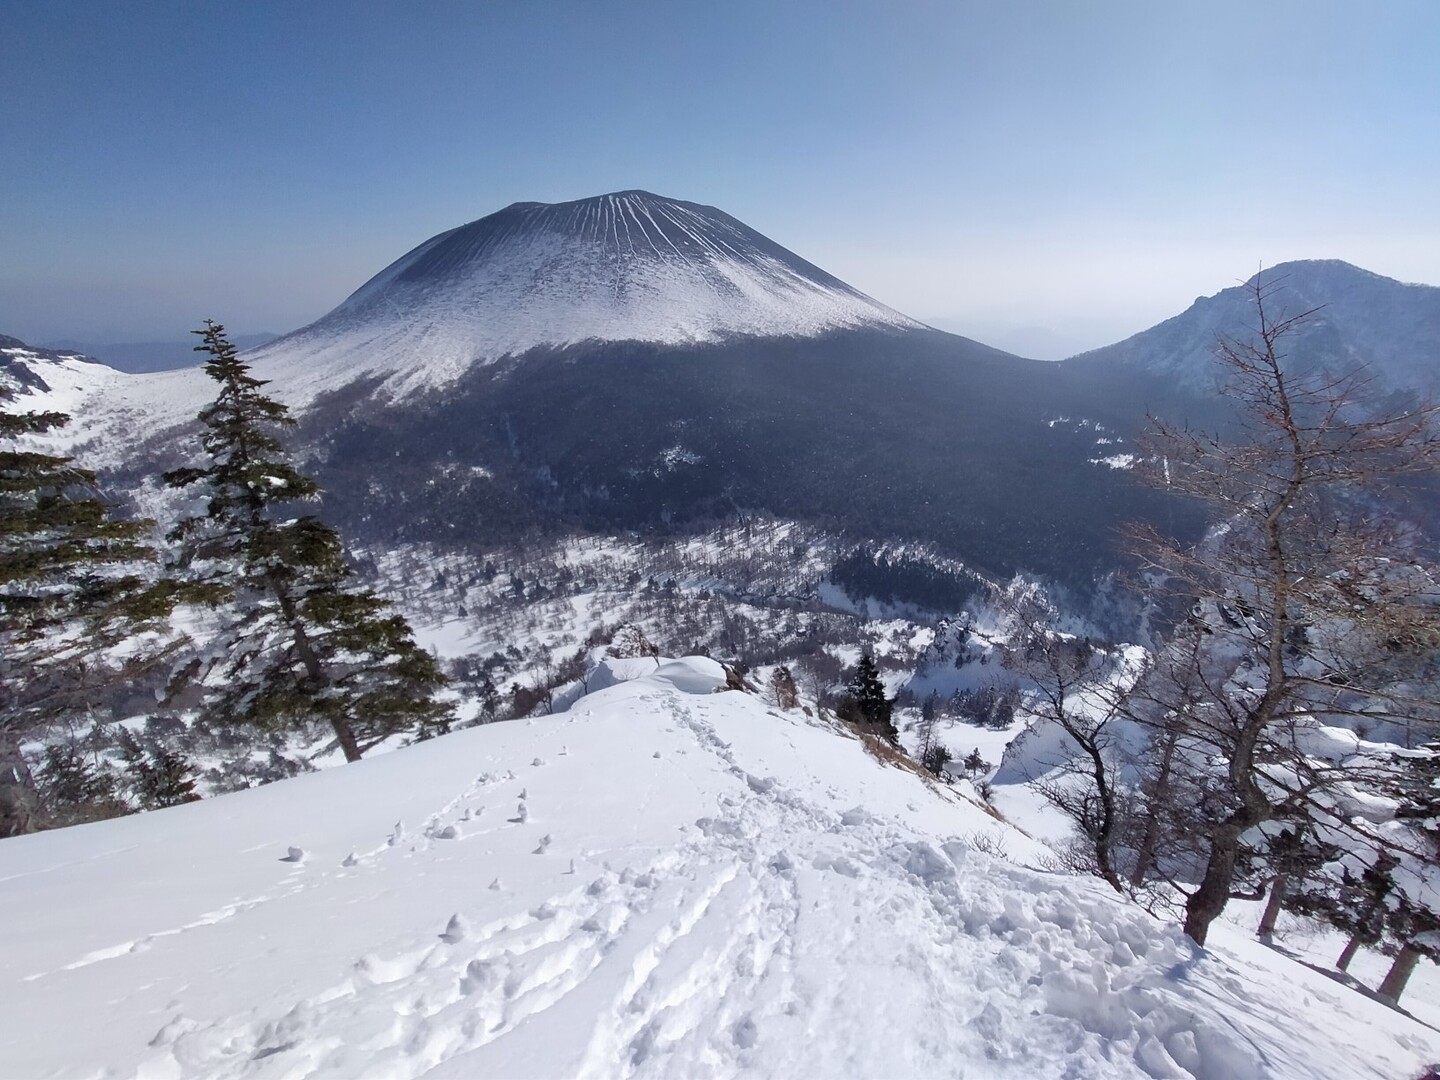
(1323, 269)
(1361, 319)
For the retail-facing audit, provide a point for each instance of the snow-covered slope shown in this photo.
(113, 413)
(111, 402)
(630, 266)
(664, 881)
(49, 379)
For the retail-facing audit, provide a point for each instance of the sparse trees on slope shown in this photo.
(1309, 603)
(75, 581)
(301, 642)
(1413, 916)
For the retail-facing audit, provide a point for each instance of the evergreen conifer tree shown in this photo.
(975, 763)
(302, 642)
(933, 754)
(160, 776)
(74, 583)
(935, 758)
(73, 788)
(868, 693)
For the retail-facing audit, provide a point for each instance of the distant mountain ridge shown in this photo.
(637, 363)
(138, 357)
(1390, 328)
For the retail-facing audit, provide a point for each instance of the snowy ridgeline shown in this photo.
(663, 881)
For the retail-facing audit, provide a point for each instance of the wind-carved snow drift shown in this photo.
(630, 266)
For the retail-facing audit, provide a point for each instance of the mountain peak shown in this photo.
(1360, 319)
(638, 195)
(625, 266)
(1331, 273)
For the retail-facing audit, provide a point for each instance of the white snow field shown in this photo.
(665, 881)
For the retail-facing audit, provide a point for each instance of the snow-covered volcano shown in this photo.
(629, 266)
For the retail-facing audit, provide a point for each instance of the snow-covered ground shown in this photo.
(111, 410)
(663, 881)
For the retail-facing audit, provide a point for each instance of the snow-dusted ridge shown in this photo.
(1359, 319)
(629, 266)
(664, 881)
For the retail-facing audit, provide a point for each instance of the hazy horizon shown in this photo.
(1026, 335)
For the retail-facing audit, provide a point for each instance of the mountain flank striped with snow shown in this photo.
(629, 266)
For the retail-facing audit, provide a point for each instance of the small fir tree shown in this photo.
(926, 727)
(868, 694)
(302, 642)
(975, 764)
(159, 775)
(73, 788)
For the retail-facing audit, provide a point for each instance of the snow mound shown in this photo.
(612, 670)
(693, 675)
(699, 886)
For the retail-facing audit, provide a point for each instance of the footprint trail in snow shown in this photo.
(557, 900)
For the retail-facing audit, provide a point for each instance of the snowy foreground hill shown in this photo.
(665, 881)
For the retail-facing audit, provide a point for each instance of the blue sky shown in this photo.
(1021, 170)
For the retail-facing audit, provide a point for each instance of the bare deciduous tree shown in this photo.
(1311, 598)
(1069, 684)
